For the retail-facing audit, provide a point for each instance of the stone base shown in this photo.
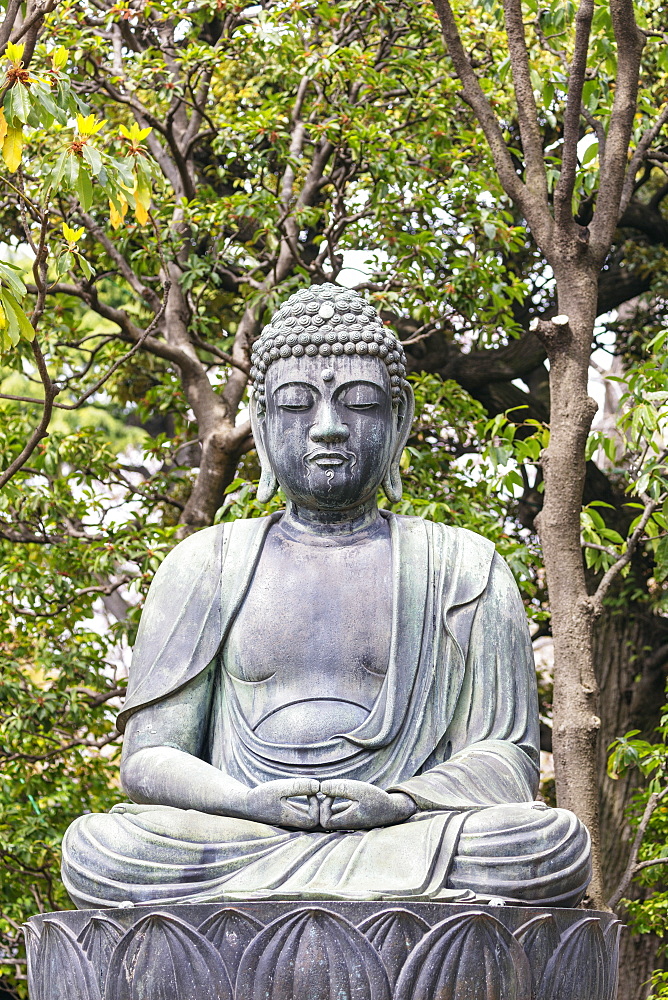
(323, 950)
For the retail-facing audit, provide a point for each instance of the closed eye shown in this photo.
(294, 398)
(361, 406)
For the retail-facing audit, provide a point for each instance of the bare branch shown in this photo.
(598, 128)
(101, 698)
(34, 758)
(630, 42)
(103, 590)
(596, 600)
(532, 142)
(633, 867)
(50, 392)
(563, 194)
(218, 353)
(31, 21)
(121, 361)
(121, 263)
(13, 9)
(639, 155)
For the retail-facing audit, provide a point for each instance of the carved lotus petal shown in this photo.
(98, 938)
(578, 970)
(394, 934)
(31, 935)
(163, 958)
(611, 935)
(230, 932)
(540, 939)
(470, 956)
(311, 955)
(61, 970)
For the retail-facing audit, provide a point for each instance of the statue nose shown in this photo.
(328, 428)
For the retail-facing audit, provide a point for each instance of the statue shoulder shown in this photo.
(474, 544)
(468, 559)
(451, 538)
(207, 548)
(189, 553)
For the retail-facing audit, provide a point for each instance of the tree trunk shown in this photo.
(221, 452)
(576, 721)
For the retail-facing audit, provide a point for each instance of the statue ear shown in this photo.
(404, 417)
(268, 483)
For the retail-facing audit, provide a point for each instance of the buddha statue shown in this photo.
(331, 702)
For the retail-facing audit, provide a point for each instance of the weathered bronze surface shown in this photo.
(332, 951)
(334, 702)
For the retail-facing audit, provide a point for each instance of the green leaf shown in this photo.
(71, 172)
(92, 158)
(17, 104)
(84, 265)
(84, 189)
(10, 275)
(43, 98)
(23, 324)
(590, 154)
(59, 170)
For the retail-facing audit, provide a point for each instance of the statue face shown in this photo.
(329, 429)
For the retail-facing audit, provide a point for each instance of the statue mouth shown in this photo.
(326, 459)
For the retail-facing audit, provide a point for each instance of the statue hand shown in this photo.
(357, 805)
(270, 803)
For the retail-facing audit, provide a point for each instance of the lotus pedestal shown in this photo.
(323, 951)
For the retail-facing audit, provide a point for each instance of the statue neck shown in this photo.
(332, 527)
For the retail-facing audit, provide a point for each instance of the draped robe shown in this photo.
(455, 726)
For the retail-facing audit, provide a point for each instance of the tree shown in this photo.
(223, 155)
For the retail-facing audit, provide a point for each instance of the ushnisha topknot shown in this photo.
(329, 321)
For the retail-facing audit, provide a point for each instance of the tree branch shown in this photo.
(633, 867)
(121, 263)
(473, 94)
(50, 392)
(563, 194)
(596, 600)
(630, 42)
(532, 141)
(638, 157)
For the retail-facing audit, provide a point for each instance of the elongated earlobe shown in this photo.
(392, 487)
(268, 483)
(267, 486)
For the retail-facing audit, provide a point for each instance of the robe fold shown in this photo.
(455, 726)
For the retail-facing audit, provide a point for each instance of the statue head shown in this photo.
(331, 408)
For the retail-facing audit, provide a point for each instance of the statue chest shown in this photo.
(309, 649)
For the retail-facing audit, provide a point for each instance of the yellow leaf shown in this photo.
(60, 57)
(3, 125)
(134, 133)
(72, 235)
(115, 215)
(140, 213)
(15, 52)
(12, 148)
(142, 195)
(88, 125)
(3, 318)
